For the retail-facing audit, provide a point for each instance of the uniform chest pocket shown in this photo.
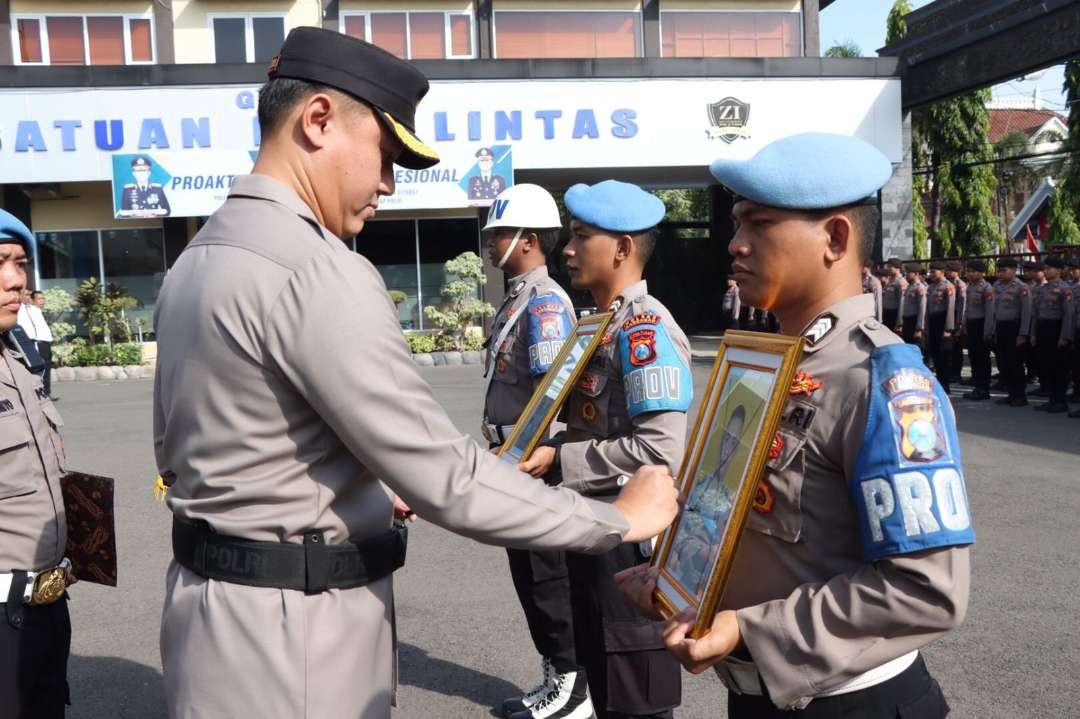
(777, 507)
(589, 407)
(56, 423)
(505, 370)
(15, 456)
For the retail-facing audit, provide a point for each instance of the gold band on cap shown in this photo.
(411, 141)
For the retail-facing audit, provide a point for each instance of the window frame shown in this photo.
(249, 31)
(448, 45)
(714, 11)
(43, 35)
(638, 12)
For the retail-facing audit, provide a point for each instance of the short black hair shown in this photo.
(865, 218)
(35, 293)
(280, 95)
(645, 243)
(547, 239)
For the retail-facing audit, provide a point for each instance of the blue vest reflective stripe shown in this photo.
(908, 489)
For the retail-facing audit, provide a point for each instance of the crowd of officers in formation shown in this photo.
(1028, 318)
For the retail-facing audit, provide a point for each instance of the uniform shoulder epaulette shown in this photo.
(878, 334)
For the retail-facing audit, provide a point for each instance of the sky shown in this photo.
(863, 21)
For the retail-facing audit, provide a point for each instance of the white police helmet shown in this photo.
(524, 206)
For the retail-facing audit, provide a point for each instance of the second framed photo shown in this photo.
(532, 425)
(724, 462)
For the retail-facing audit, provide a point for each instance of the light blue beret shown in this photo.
(811, 171)
(12, 228)
(616, 206)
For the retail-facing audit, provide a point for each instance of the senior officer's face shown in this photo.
(13, 264)
(780, 256)
(353, 162)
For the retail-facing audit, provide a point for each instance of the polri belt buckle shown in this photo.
(50, 584)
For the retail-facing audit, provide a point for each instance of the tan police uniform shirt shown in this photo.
(979, 304)
(284, 393)
(33, 528)
(543, 318)
(893, 296)
(961, 302)
(1012, 303)
(871, 285)
(1054, 302)
(941, 300)
(629, 407)
(812, 611)
(914, 304)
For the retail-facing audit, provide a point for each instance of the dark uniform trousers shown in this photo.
(978, 354)
(1008, 358)
(956, 364)
(542, 584)
(1053, 370)
(1074, 361)
(907, 333)
(911, 694)
(34, 646)
(889, 318)
(940, 347)
(630, 673)
(45, 350)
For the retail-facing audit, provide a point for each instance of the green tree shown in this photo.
(896, 30)
(460, 306)
(845, 48)
(58, 302)
(1065, 206)
(104, 311)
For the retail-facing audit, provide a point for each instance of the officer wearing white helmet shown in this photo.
(529, 330)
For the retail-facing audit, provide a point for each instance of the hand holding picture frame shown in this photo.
(723, 465)
(548, 399)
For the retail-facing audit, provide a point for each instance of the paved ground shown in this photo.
(464, 644)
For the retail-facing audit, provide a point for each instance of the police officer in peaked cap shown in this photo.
(834, 591)
(290, 420)
(35, 629)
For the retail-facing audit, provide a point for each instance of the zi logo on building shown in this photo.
(730, 120)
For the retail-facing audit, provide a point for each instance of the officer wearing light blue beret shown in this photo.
(628, 410)
(855, 554)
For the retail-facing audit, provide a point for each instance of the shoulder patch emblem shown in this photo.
(646, 318)
(642, 347)
(822, 326)
(804, 384)
(550, 327)
(919, 431)
(763, 498)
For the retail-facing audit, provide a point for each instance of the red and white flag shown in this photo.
(1032, 244)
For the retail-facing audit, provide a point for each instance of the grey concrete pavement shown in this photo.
(464, 646)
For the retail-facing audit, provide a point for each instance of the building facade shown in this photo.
(122, 123)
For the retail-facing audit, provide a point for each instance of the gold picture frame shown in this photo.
(552, 392)
(723, 465)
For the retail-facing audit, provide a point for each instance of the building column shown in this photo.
(897, 239)
(484, 30)
(330, 14)
(7, 53)
(650, 27)
(163, 33)
(811, 28)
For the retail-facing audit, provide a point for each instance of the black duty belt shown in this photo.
(311, 567)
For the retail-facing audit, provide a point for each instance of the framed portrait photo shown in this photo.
(532, 426)
(724, 462)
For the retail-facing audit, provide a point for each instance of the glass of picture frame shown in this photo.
(724, 462)
(532, 426)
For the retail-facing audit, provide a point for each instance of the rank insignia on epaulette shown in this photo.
(645, 318)
(804, 384)
(763, 498)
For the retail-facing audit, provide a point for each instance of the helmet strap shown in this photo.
(510, 249)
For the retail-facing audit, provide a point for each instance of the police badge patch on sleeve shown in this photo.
(550, 324)
(655, 377)
(908, 489)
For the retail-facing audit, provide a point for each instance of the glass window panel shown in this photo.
(135, 259)
(388, 32)
(567, 34)
(730, 34)
(715, 37)
(442, 240)
(427, 35)
(793, 35)
(667, 36)
(30, 40)
(66, 260)
(142, 48)
(106, 37)
(65, 40)
(461, 35)
(356, 26)
(269, 36)
(229, 40)
(390, 245)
